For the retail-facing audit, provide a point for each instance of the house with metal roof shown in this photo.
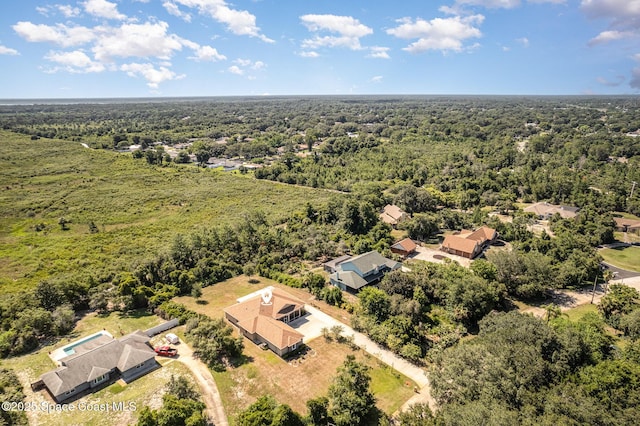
(362, 270)
(268, 322)
(92, 364)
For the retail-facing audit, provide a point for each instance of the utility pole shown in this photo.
(593, 294)
(633, 186)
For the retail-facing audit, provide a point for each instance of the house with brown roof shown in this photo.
(393, 215)
(404, 247)
(467, 243)
(627, 225)
(544, 210)
(266, 321)
(93, 361)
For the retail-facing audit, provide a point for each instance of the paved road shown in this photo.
(413, 372)
(210, 393)
(621, 273)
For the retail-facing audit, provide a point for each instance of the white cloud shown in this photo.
(75, 62)
(491, 4)
(153, 75)
(523, 41)
(68, 11)
(103, 9)
(243, 62)
(60, 34)
(379, 52)
(4, 50)
(442, 34)
(174, 10)
(234, 69)
(207, 54)
(376, 79)
(609, 36)
(239, 22)
(348, 29)
(612, 9)
(502, 4)
(139, 40)
(246, 67)
(623, 17)
(309, 54)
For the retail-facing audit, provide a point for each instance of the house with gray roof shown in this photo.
(93, 363)
(358, 271)
(544, 211)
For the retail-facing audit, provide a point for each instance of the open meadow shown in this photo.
(137, 209)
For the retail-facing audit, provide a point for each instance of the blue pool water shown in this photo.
(69, 350)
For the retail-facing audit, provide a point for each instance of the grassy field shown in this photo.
(575, 314)
(623, 257)
(137, 208)
(147, 390)
(297, 381)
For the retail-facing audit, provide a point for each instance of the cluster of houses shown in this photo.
(93, 361)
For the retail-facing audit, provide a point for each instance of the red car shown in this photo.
(166, 351)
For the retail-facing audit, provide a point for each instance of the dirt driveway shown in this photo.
(210, 394)
(318, 319)
(437, 256)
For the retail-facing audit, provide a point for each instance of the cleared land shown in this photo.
(294, 381)
(146, 390)
(309, 376)
(136, 208)
(623, 257)
(218, 296)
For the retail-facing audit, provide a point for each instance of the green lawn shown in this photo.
(137, 208)
(623, 257)
(575, 314)
(295, 383)
(38, 362)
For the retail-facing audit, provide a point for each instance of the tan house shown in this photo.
(545, 210)
(627, 225)
(404, 247)
(467, 243)
(267, 322)
(393, 215)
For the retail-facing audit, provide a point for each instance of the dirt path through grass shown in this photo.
(208, 388)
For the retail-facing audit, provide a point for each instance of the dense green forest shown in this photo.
(136, 219)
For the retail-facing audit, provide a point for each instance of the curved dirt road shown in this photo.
(208, 388)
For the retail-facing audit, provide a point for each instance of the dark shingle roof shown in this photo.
(92, 361)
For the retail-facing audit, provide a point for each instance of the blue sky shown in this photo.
(141, 48)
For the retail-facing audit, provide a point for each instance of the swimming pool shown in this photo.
(70, 348)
